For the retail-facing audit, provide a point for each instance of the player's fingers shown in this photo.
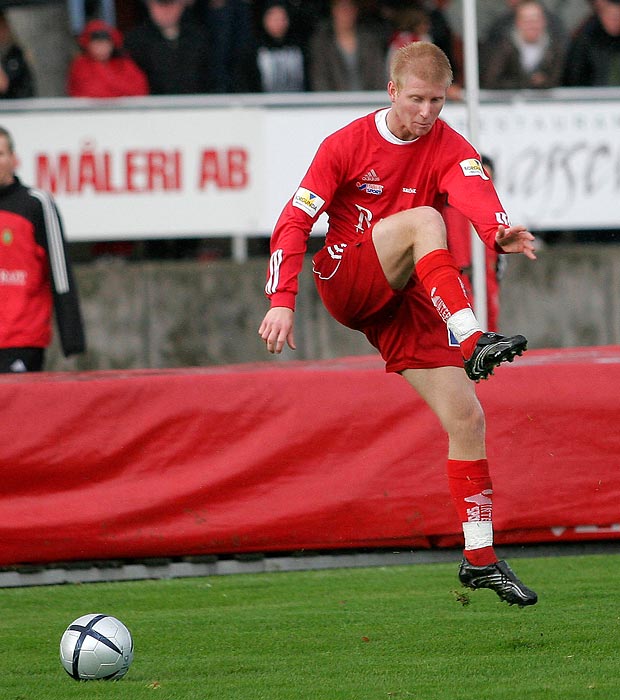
(274, 337)
(280, 339)
(291, 341)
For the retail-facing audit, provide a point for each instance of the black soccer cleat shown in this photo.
(499, 577)
(491, 350)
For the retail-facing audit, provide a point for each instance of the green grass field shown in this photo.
(352, 634)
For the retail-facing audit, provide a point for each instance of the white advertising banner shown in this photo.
(558, 163)
(149, 172)
(146, 173)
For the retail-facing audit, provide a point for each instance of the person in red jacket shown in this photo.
(36, 277)
(102, 69)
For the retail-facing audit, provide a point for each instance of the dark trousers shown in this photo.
(21, 360)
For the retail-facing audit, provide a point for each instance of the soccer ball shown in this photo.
(95, 647)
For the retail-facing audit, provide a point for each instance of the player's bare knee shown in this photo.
(427, 227)
(468, 421)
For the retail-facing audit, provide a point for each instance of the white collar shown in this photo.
(382, 128)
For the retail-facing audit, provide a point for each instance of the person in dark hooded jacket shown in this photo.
(16, 76)
(102, 69)
(280, 58)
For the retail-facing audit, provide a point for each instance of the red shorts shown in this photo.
(403, 325)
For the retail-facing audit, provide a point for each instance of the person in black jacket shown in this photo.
(16, 79)
(35, 273)
(172, 49)
(593, 57)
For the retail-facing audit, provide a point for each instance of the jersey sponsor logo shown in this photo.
(410, 190)
(6, 236)
(308, 201)
(502, 218)
(371, 176)
(369, 189)
(13, 278)
(472, 167)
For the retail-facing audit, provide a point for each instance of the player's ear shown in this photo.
(392, 90)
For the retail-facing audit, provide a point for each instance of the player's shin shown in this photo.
(472, 494)
(440, 277)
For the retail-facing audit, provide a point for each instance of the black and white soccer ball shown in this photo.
(96, 647)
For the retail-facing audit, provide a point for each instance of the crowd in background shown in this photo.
(224, 46)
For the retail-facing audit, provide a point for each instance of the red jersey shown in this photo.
(358, 177)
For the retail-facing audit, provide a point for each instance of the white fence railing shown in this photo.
(225, 165)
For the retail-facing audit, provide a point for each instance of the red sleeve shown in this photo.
(470, 190)
(290, 236)
(458, 230)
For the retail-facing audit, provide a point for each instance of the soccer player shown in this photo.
(385, 270)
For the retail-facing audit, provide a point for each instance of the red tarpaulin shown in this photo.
(292, 456)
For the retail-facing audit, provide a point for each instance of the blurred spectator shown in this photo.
(593, 57)
(102, 70)
(527, 57)
(172, 49)
(16, 79)
(411, 23)
(439, 31)
(503, 25)
(80, 11)
(230, 26)
(280, 59)
(305, 16)
(344, 53)
(459, 231)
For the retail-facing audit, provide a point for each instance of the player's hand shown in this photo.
(277, 329)
(516, 239)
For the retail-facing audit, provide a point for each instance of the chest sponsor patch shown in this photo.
(308, 201)
(472, 167)
(369, 188)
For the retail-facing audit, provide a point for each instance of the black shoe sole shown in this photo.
(506, 355)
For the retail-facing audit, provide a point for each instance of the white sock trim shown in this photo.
(462, 324)
(478, 534)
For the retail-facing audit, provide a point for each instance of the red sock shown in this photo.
(469, 344)
(471, 489)
(440, 277)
